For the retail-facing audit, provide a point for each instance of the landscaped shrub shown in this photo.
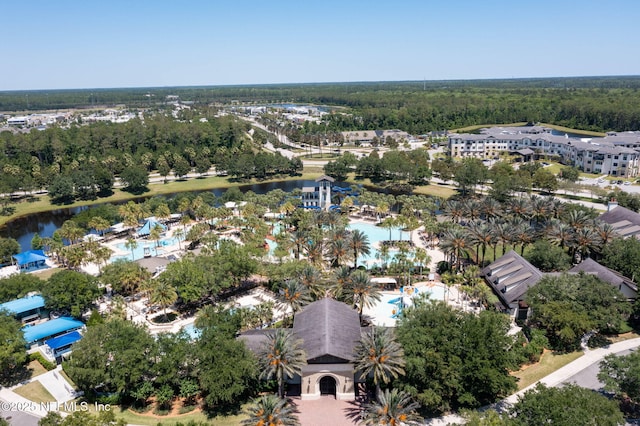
(37, 356)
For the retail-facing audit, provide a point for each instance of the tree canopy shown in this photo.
(70, 291)
(455, 359)
(567, 306)
(13, 352)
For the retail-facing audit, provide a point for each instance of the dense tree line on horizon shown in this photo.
(587, 103)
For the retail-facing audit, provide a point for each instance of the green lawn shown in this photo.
(480, 126)
(35, 392)
(549, 363)
(435, 190)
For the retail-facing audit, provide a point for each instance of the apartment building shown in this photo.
(616, 154)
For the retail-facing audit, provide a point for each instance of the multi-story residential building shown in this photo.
(617, 154)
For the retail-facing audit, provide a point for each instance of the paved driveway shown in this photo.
(327, 411)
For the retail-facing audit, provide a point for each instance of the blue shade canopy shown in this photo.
(26, 304)
(30, 256)
(50, 328)
(64, 340)
(149, 225)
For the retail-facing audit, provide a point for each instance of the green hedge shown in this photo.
(37, 356)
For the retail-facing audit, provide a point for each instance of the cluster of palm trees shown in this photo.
(483, 223)
(378, 355)
(78, 251)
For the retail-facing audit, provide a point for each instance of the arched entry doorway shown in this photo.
(328, 386)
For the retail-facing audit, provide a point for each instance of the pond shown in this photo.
(45, 223)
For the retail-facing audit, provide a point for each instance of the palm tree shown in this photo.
(585, 240)
(310, 277)
(384, 255)
(490, 208)
(100, 224)
(314, 247)
(455, 242)
(578, 219)
(519, 208)
(392, 408)
(361, 292)
(503, 234)
(101, 255)
(269, 410)
(75, 256)
(559, 233)
(359, 243)
(131, 213)
(421, 257)
(481, 236)
(378, 354)
(522, 233)
(131, 244)
(180, 235)
(606, 234)
(382, 209)
(298, 238)
(155, 234)
(341, 279)
(71, 231)
(163, 294)
(389, 223)
(293, 295)
(281, 357)
(454, 209)
(338, 251)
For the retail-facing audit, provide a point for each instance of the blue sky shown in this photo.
(140, 43)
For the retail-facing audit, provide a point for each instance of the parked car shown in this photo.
(627, 183)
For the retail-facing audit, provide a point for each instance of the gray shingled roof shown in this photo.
(328, 328)
(325, 177)
(617, 280)
(626, 222)
(510, 277)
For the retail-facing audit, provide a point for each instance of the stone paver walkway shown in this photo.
(327, 411)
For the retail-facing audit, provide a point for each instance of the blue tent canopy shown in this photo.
(50, 328)
(30, 256)
(64, 340)
(26, 304)
(149, 225)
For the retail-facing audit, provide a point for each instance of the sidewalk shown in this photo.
(589, 358)
(554, 379)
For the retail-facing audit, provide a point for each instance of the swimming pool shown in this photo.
(144, 246)
(193, 332)
(388, 309)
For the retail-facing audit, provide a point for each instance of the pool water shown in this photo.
(193, 332)
(139, 252)
(375, 234)
(389, 308)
